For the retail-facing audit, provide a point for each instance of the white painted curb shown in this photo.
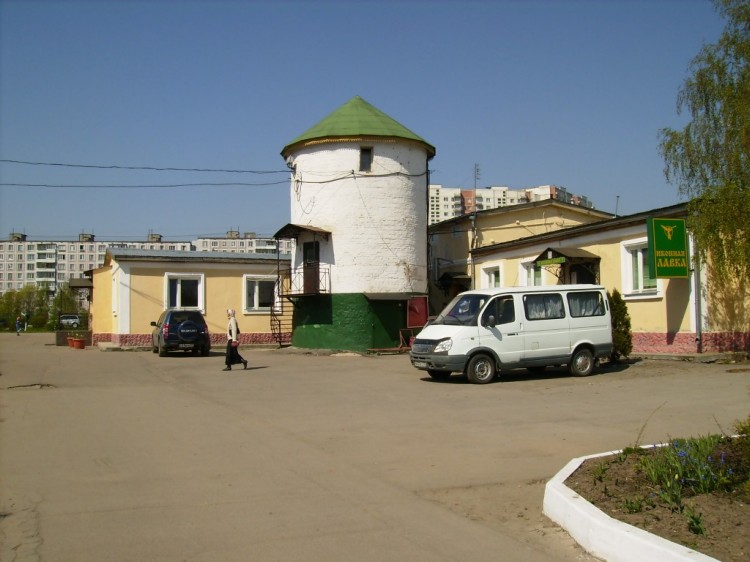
(601, 535)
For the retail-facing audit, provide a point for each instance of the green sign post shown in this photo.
(667, 248)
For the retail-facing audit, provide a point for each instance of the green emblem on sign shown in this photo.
(667, 248)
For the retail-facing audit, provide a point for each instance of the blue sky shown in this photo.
(567, 92)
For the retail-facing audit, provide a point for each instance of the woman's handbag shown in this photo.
(235, 343)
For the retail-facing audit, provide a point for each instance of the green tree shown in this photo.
(622, 337)
(9, 310)
(709, 159)
(32, 303)
(64, 302)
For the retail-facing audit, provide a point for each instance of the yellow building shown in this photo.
(135, 286)
(668, 315)
(451, 242)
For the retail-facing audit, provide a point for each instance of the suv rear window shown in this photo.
(180, 316)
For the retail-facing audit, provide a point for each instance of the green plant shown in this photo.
(634, 505)
(695, 521)
(622, 337)
(688, 465)
(600, 471)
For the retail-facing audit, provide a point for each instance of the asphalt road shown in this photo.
(126, 456)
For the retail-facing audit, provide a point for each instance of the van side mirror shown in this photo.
(491, 322)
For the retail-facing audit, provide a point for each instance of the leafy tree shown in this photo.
(64, 302)
(8, 308)
(622, 337)
(710, 158)
(33, 303)
(29, 302)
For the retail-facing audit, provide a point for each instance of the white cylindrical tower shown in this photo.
(359, 214)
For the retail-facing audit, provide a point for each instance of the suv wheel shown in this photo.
(162, 350)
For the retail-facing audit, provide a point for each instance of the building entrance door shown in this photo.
(311, 267)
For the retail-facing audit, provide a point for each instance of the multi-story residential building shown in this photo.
(49, 263)
(450, 202)
(248, 243)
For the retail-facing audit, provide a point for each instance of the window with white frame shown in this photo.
(637, 277)
(260, 293)
(532, 274)
(184, 290)
(492, 277)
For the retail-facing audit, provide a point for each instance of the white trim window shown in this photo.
(636, 275)
(259, 293)
(184, 291)
(492, 277)
(532, 274)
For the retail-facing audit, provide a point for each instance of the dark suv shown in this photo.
(180, 330)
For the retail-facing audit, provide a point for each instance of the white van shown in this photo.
(481, 332)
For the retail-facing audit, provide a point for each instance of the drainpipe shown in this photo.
(698, 300)
(428, 249)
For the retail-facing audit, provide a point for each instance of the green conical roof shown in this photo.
(354, 120)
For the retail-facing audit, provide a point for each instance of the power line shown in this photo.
(226, 184)
(151, 168)
(356, 175)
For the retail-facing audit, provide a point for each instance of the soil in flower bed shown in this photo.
(619, 487)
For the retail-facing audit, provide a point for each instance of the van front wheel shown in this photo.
(582, 364)
(481, 369)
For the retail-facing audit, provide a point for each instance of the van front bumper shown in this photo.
(438, 362)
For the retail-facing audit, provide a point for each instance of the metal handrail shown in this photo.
(293, 282)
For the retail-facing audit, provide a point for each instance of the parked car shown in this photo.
(70, 320)
(184, 330)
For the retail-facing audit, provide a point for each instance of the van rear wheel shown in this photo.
(582, 364)
(481, 369)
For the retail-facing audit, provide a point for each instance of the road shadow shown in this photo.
(550, 373)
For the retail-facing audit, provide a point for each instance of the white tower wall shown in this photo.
(377, 219)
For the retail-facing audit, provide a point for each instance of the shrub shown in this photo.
(622, 337)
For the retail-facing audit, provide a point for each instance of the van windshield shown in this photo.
(462, 310)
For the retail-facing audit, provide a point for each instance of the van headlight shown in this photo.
(444, 346)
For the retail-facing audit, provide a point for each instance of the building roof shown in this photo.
(137, 254)
(354, 120)
(438, 227)
(292, 230)
(678, 210)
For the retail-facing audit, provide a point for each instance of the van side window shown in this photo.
(502, 309)
(543, 306)
(588, 303)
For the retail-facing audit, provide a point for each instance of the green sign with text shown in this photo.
(668, 248)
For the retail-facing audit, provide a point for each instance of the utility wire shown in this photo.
(143, 186)
(113, 167)
(355, 175)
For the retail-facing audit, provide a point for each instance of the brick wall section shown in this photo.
(217, 340)
(643, 342)
(713, 342)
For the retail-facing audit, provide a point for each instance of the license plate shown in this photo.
(420, 364)
(185, 345)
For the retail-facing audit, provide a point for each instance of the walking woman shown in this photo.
(233, 341)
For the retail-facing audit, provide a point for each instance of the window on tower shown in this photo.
(365, 159)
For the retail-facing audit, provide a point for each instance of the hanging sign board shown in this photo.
(667, 248)
(552, 261)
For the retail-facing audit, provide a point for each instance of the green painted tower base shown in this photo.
(348, 322)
